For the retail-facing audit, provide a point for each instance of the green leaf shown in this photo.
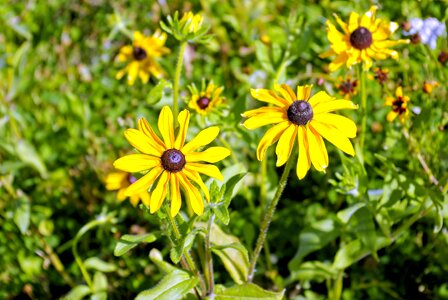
(346, 214)
(262, 54)
(175, 285)
(99, 282)
(28, 154)
(314, 238)
(312, 270)
(230, 186)
(22, 213)
(156, 93)
(99, 265)
(232, 254)
(157, 258)
(185, 244)
(77, 293)
(127, 242)
(246, 291)
(354, 251)
(365, 229)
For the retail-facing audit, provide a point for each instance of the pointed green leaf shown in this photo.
(175, 285)
(312, 270)
(246, 291)
(28, 154)
(22, 213)
(127, 242)
(354, 251)
(156, 93)
(157, 258)
(99, 265)
(77, 293)
(345, 214)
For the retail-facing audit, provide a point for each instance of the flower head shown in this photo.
(428, 86)
(363, 39)
(426, 31)
(205, 100)
(172, 162)
(142, 57)
(190, 22)
(121, 181)
(347, 87)
(399, 105)
(381, 75)
(188, 28)
(307, 118)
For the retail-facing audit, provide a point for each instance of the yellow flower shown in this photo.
(399, 106)
(171, 162)
(428, 86)
(142, 57)
(191, 22)
(207, 99)
(308, 119)
(363, 39)
(121, 181)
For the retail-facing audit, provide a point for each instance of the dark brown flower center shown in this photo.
(348, 87)
(381, 76)
(203, 102)
(397, 106)
(173, 160)
(139, 53)
(300, 112)
(361, 38)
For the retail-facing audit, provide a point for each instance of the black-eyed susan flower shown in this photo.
(205, 100)
(347, 87)
(141, 57)
(399, 105)
(363, 39)
(120, 181)
(170, 162)
(381, 75)
(303, 117)
(189, 28)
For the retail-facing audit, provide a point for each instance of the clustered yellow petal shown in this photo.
(141, 57)
(363, 39)
(205, 100)
(170, 163)
(191, 22)
(399, 106)
(305, 117)
(120, 181)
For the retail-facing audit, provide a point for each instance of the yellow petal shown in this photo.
(317, 150)
(286, 92)
(304, 92)
(176, 200)
(144, 126)
(194, 176)
(184, 119)
(353, 23)
(121, 194)
(285, 144)
(265, 119)
(141, 142)
(209, 170)
(194, 197)
(391, 116)
(343, 124)
(136, 162)
(203, 138)
(269, 97)
(144, 76)
(144, 196)
(399, 92)
(330, 106)
(159, 193)
(334, 136)
(166, 126)
(261, 110)
(134, 199)
(304, 161)
(115, 180)
(144, 183)
(270, 137)
(319, 98)
(132, 72)
(212, 155)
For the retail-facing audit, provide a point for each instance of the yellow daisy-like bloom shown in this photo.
(207, 99)
(142, 57)
(121, 181)
(191, 22)
(308, 119)
(399, 106)
(171, 162)
(363, 39)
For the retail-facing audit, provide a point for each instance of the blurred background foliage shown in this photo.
(372, 224)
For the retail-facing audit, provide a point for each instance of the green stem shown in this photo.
(268, 217)
(362, 76)
(176, 81)
(209, 258)
(57, 264)
(98, 222)
(190, 263)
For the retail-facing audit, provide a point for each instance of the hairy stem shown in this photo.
(362, 77)
(180, 58)
(268, 218)
(209, 258)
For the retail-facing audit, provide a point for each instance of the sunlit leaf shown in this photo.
(246, 291)
(127, 242)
